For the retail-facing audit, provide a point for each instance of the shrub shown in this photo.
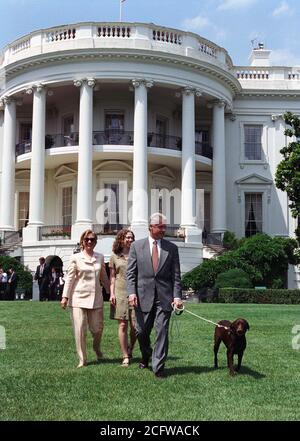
(263, 258)
(233, 278)
(230, 242)
(23, 273)
(275, 296)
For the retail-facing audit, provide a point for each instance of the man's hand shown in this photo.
(132, 300)
(177, 303)
(64, 302)
(112, 299)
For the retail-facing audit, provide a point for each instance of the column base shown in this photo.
(7, 228)
(193, 234)
(79, 228)
(140, 230)
(31, 233)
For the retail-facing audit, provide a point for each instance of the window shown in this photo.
(23, 209)
(253, 213)
(25, 132)
(253, 142)
(114, 128)
(161, 131)
(68, 129)
(67, 205)
(112, 200)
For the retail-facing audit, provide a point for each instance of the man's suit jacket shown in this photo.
(142, 281)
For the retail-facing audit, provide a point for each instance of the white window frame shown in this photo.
(60, 187)
(264, 144)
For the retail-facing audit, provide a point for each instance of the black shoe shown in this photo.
(143, 364)
(160, 374)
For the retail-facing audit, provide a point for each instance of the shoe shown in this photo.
(82, 364)
(160, 374)
(125, 362)
(99, 355)
(143, 364)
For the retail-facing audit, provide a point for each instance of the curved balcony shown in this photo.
(135, 36)
(116, 137)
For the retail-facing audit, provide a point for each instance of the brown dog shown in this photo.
(233, 338)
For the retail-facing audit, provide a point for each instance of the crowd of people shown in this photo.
(50, 280)
(144, 286)
(8, 284)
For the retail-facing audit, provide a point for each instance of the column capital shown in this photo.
(188, 90)
(219, 103)
(137, 82)
(77, 83)
(91, 82)
(5, 100)
(39, 87)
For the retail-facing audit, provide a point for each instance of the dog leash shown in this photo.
(179, 311)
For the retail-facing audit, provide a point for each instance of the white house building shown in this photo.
(101, 123)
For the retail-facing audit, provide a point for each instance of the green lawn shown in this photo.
(39, 379)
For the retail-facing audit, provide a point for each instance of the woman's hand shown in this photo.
(64, 302)
(112, 299)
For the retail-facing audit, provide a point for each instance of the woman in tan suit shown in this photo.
(83, 293)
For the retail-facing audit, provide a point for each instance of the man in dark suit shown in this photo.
(41, 275)
(153, 285)
(11, 286)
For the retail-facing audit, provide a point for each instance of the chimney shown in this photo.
(260, 56)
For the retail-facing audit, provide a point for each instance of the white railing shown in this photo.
(166, 36)
(61, 34)
(208, 50)
(146, 35)
(252, 75)
(293, 76)
(20, 46)
(114, 31)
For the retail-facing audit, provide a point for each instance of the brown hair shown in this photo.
(84, 235)
(118, 244)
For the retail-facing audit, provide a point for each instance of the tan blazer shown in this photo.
(82, 283)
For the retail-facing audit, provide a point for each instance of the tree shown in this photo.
(287, 176)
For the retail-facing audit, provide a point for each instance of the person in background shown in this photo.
(3, 283)
(153, 287)
(42, 277)
(83, 293)
(120, 310)
(12, 281)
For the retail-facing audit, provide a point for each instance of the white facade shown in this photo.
(137, 109)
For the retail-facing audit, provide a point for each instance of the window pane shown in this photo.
(67, 205)
(253, 144)
(112, 213)
(253, 214)
(23, 209)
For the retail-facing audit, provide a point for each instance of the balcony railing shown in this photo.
(55, 232)
(116, 137)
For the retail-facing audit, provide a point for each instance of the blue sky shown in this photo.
(230, 23)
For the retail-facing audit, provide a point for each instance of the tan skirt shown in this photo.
(121, 311)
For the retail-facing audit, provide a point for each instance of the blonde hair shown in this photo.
(84, 235)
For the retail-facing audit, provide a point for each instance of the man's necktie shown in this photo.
(155, 256)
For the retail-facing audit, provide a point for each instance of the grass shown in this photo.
(39, 379)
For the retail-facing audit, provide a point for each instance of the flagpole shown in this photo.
(121, 10)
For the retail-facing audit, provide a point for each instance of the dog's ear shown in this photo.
(247, 325)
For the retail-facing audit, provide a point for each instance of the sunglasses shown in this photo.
(90, 239)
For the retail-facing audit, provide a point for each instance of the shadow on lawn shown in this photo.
(205, 369)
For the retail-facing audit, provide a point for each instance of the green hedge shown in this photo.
(275, 296)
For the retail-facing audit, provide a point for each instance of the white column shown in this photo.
(37, 169)
(139, 221)
(7, 199)
(188, 173)
(219, 177)
(85, 159)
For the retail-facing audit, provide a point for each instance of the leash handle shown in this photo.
(176, 310)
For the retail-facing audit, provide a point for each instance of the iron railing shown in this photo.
(116, 137)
